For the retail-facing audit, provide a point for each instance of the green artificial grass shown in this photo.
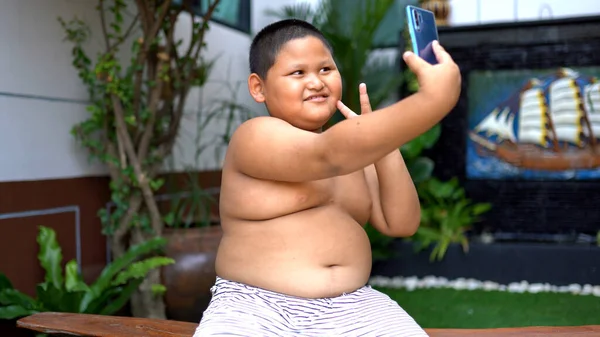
(449, 308)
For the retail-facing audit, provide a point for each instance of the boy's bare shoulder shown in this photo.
(258, 129)
(260, 123)
(270, 148)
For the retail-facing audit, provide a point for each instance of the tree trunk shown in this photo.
(143, 302)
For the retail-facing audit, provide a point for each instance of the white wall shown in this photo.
(41, 97)
(467, 12)
(34, 133)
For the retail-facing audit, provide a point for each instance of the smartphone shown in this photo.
(423, 31)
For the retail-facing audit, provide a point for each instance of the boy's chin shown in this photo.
(311, 125)
(309, 120)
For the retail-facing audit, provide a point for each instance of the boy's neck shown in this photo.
(319, 130)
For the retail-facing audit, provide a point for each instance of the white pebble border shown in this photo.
(412, 282)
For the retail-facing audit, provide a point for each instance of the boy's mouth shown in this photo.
(317, 98)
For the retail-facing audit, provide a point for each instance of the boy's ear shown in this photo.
(256, 88)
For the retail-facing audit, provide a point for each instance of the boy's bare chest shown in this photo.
(245, 198)
(349, 193)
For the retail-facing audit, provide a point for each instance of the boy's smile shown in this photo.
(303, 85)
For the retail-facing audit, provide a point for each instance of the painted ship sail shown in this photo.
(533, 118)
(556, 120)
(591, 104)
(499, 125)
(566, 109)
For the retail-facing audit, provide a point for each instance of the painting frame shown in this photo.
(534, 124)
(548, 206)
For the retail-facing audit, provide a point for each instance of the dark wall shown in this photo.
(18, 246)
(520, 206)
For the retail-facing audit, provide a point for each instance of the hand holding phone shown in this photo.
(423, 31)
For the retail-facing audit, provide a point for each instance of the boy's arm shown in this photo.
(269, 148)
(396, 210)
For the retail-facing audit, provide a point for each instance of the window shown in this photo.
(231, 13)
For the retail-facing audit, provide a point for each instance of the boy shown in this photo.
(294, 259)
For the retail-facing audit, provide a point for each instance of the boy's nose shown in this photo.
(315, 83)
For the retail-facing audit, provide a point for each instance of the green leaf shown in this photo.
(481, 208)
(159, 289)
(50, 256)
(124, 296)
(14, 311)
(169, 219)
(5, 282)
(429, 138)
(110, 271)
(156, 184)
(98, 303)
(73, 281)
(421, 169)
(141, 268)
(412, 149)
(440, 189)
(429, 232)
(443, 247)
(58, 299)
(15, 297)
(48, 295)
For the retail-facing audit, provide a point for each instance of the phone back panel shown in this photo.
(423, 31)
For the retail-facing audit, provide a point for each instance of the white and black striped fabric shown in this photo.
(237, 309)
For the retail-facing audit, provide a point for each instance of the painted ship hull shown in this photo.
(531, 157)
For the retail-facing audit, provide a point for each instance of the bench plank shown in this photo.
(100, 326)
(114, 326)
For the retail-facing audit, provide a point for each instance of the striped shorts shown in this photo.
(237, 309)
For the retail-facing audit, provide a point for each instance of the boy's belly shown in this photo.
(321, 252)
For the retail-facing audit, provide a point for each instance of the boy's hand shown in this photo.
(365, 105)
(440, 82)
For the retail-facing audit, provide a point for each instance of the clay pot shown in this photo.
(189, 279)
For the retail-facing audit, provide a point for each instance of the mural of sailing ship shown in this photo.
(548, 127)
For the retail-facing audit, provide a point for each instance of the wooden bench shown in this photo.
(113, 326)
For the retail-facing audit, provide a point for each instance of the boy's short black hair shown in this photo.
(267, 43)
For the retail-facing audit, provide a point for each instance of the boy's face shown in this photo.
(303, 85)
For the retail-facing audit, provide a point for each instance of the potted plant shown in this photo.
(65, 291)
(138, 85)
(193, 230)
(446, 215)
(193, 234)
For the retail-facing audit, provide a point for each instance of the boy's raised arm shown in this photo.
(268, 148)
(358, 142)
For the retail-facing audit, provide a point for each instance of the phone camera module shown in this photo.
(417, 19)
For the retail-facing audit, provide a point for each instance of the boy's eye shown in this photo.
(325, 69)
(297, 72)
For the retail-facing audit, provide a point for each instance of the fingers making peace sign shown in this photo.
(365, 105)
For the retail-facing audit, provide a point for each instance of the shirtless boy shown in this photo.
(294, 259)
